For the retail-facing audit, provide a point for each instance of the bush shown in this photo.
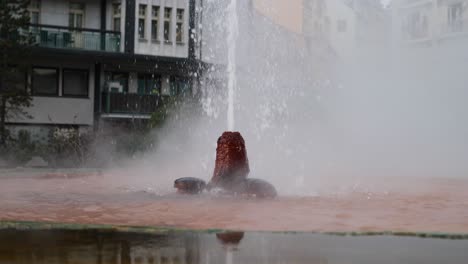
(67, 147)
(18, 151)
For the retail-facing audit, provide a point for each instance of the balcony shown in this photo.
(455, 27)
(129, 104)
(74, 38)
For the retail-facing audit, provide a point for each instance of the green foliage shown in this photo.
(21, 149)
(168, 106)
(14, 16)
(133, 144)
(178, 107)
(14, 43)
(64, 148)
(67, 147)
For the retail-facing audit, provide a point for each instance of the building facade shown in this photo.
(429, 22)
(93, 61)
(345, 25)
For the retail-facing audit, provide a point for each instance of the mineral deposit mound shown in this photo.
(232, 165)
(230, 172)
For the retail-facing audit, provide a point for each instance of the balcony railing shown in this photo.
(128, 103)
(455, 26)
(74, 38)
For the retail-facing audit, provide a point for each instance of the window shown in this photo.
(180, 25)
(141, 21)
(320, 7)
(45, 81)
(179, 86)
(120, 77)
(167, 23)
(416, 26)
(341, 25)
(455, 17)
(117, 12)
(34, 11)
(75, 82)
(149, 84)
(16, 80)
(76, 16)
(154, 23)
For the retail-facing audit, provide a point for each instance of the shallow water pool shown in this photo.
(107, 246)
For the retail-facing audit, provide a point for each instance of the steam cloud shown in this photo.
(311, 119)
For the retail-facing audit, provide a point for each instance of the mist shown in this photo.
(315, 121)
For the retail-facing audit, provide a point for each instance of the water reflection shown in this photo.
(106, 247)
(230, 238)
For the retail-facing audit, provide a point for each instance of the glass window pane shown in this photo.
(179, 32)
(184, 87)
(142, 10)
(44, 81)
(122, 78)
(180, 14)
(35, 4)
(75, 83)
(167, 32)
(141, 84)
(71, 20)
(154, 30)
(141, 28)
(18, 79)
(155, 11)
(34, 18)
(79, 21)
(116, 24)
(167, 13)
(117, 9)
(156, 87)
(149, 85)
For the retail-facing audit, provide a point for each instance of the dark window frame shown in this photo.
(26, 85)
(57, 70)
(174, 85)
(63, 82)
(147, 77)
(113, 73)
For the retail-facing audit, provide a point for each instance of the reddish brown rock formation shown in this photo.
(258, 188)
(230, 172)
(231, 164)
(189, 185)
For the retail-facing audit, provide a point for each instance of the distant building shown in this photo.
(430, 22)
(107, 60)
(345, 24)
(288, 14)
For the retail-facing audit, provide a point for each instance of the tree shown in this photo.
(14, 43)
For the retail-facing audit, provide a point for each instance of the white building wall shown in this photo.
(437, 19)
(59, 110)
(55, 111)
(161, 48)
(56, 12)
(344, 43)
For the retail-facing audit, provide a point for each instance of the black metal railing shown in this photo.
(74, 38)
(129, 103)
